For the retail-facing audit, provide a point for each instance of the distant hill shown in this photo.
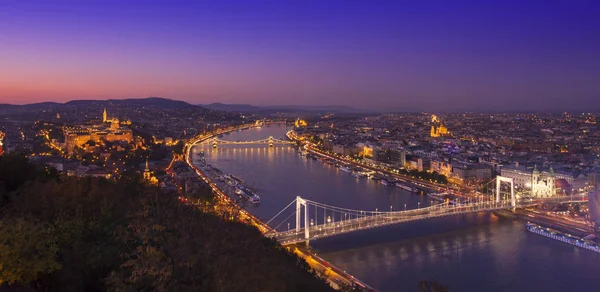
(283, 108)
(155, 102)
(231, 107)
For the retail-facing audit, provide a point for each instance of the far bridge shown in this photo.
(268, 141)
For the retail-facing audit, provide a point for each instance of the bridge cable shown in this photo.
(281, 211)
(288, 217)
(340, 209)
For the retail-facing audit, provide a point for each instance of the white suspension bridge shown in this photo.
(317, 220)
(269, 141)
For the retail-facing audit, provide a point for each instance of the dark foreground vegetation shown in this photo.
(86, 234)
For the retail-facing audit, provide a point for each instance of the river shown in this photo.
(478, 252)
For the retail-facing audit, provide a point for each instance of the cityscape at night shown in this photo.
(299, 145)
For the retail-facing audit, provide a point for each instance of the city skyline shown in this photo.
(220, 145)
(399, 56)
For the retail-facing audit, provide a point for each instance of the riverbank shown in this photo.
(334, 276)
(431, 186)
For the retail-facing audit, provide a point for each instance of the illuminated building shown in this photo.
(520, 175)
(148, 175)
(368, 151)
(437, 128)
(300, 123)
(106, 119)
(542, 184)
(2, 135)
(77, 136)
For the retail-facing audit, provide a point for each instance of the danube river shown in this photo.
(479, 252)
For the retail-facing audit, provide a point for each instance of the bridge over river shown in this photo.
(268, 141)
(316, 220)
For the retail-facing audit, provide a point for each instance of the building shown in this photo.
(403, 158)
(437, 128)
(2, 135)
(300, 123)
(521, 175)
(106, 119)
(542, 184)
(148, 175)
(422, 164)
(480, 172)
(441, 167)
(80, 135)
(367, 151)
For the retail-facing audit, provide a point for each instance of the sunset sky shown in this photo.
(440, 55)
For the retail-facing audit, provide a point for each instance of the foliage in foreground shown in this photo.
(84, 234)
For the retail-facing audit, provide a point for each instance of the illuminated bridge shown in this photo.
(317, 220)
(268, 141)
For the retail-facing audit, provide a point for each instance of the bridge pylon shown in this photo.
(499, 181)
(299, 204)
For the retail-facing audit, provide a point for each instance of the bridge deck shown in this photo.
(385, 218)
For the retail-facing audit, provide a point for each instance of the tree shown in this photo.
(178, 148)
(93, 234)
(28, 250)
(205, 197)
(15, 170)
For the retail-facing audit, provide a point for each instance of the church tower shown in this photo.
(104, 116)
(147, 173)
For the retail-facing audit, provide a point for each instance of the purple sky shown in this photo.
(434, 55)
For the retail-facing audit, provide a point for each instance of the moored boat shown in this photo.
(345, 168)
(563, 237)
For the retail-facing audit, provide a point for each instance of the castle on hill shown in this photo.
(110, 129)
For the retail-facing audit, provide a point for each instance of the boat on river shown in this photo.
(563, 237)
(345, 168)
(387, 182)
(406, 187)
(247, 194)
(357, 174)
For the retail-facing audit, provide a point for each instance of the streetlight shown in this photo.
(418, 205)
(404, 207)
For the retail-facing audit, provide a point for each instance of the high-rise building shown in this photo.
(403, 158)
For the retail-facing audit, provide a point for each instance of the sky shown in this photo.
(401, 55)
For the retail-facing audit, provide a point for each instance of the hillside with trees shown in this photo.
(89, 234)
